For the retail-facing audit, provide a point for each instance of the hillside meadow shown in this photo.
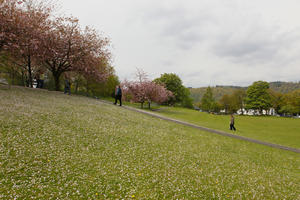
(56, 146)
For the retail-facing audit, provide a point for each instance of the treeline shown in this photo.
(220, 90)
(36, 45)
(258, 97)
(284, 87)
(167, 90)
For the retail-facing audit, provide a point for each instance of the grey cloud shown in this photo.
(196, 74)
(227, 33)
(167, 63)
(265, 47)
(204, 42)
(246, 51)
(230, 35)
(177, 24)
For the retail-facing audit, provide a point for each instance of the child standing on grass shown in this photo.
(232, 123)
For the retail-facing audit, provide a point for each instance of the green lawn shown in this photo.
(56, 146)
(278, 130)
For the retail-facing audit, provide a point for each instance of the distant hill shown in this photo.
(220, 90)
(284, 87)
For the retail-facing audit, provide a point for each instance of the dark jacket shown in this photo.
(119, 92)
(67, 83)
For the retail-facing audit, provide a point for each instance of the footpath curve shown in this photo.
(277, 146)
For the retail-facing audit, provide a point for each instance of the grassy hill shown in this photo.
(219, 91)
(284, 87)
(56, 146)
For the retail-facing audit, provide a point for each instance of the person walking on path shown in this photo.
(118, 95)
(232, 123)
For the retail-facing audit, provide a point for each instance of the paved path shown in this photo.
(277, 146)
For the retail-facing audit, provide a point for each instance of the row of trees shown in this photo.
(286, 104)
(34, 42)
(167, 89)
(258, 97)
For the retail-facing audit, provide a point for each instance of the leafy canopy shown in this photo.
(174, 84)
(258, 97)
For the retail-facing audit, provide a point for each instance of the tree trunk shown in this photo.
(56, 76)
(87, 88)
(29, 71)
(23, 79)
(142, 104)
(149, 104)
(76, 87)
(10, 82)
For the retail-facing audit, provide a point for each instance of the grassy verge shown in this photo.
(56, 146)
(153, 106)
(279, 130)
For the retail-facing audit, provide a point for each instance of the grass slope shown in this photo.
(55, 146)
(278, 130)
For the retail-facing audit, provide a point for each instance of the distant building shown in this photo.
(255, 112)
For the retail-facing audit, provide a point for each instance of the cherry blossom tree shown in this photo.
(145, 91)
(21, 35)
(67, 48)
(7, 19)
(37, 41)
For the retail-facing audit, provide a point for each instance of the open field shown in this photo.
(278, 130)
(56, 146)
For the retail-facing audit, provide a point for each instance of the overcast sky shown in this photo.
(205, 42)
